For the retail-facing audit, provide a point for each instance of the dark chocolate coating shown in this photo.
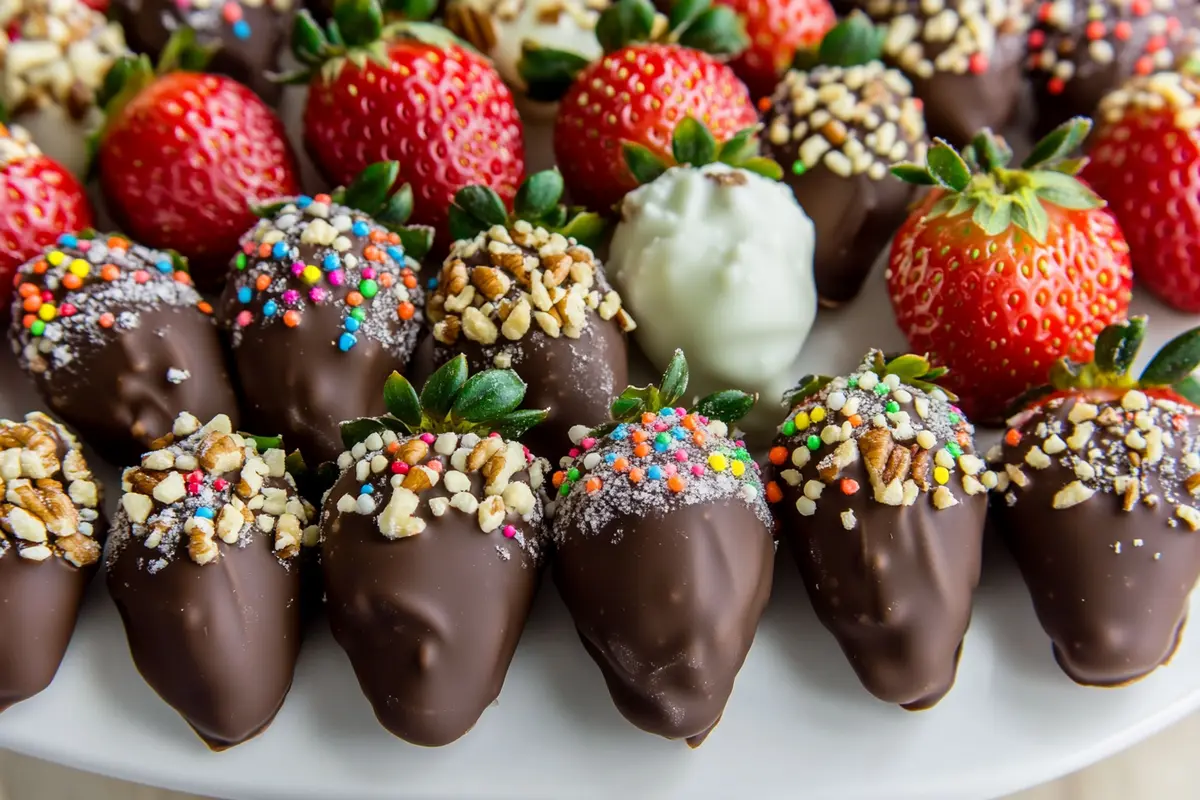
(895, 591)
(668, 605)
(39, 603)
(1113, 616)
(149, 25)
(118, 397)
(431, 621)
(218, 642)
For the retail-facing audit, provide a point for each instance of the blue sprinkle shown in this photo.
(165, 266)
(244, 294)
(366, 488)
(304, 201)
(350, 324)
(660, 447)
(67, 240)
(654, 473)
(679, 433)
(396, 253)
(279, 250)
(620, 432)
(610, 458)
(667, 412)
(269, 308)
(346, 341)
(241, 29)
(361, 228)
(331, 262)
(204, 513)
(431, 284)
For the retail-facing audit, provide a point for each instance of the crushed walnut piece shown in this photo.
(505, 282)
(204, 483)
(50, 502)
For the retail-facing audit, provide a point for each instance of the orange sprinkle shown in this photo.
(262, 282)
(592, 485)
(764, 104)
(72, 281)
(964, 441)
(110, 272)
(621, 464)
(647, 418)
(322, 198)
(32, 303)
(778, 455)
(106, 320)
(558, 478)
(393, 237)
(676, 483)
(855, 420)
(774, 493)
(291, 318)
(386, 280)
(27, 289)
(183, 277)
(354, 299)
(117, 243)
(377, 236)
(28, 320)
(393, 447)
(639, 436)
(206, 307)
(848, 485)
(406, 310)
(699, 437)
(635, 475)
(264, 250)
(1013, 437)
(410, 282)
(372, 253)
(40, 268)
(689, 422)
(642, 450)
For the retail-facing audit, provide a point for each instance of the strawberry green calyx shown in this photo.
(852, 42)
(697, 24)
(694, 145)
(358, 33)
(728, 405)
(980, 181)
(478, 208)
(450, 402)
(1117, 346)
(912, 370)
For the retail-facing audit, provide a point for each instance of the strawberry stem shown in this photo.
(728, 405)
(852, 42)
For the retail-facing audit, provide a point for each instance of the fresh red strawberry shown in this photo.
(419, 97)
(183, 155)
(638, 92)
(1001, 271)
(1146, 164)
(776, 30)
(39, 200)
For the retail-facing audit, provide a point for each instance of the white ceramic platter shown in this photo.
(798, 724)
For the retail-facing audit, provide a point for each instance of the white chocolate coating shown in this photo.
(719, 262)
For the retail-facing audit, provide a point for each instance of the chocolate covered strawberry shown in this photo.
(1000, 270)
(664, 553)
(880, 493)
(183, 155)
(433, 539)
(1146, 164)
(646, 83)
(1099, 477)
(410, 93)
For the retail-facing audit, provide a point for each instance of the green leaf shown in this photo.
(991, 151)
(907, 367)
(586, 228)
(294, 463)
(624, 22)
(644, 164)
(1189, 389)
(416, 239)
(401, 401)
(360, 22)
(808, 386)
(853, 41)
(1064, 191)
(740, 147)
(398, 208)
(334, 33)
(674, 380)
(357, 430)
(464, 226)
(265, 210)
(718, 31)
(548, 73)
(263, 443)
(1176, 360)
(1029, 214)
(994, 214)
(515, 424)
(443, 386)
(1070, 166)
(763, 166)
(692, 143)
(935, 373)
(414, 10)
(627, 408)
(483, 204)
(1058, 143)
(913, 173)
(1118, 344)
(369, 190)
(947, 167)
(684, 13)
(728, 406)
(1065, 374)
(488, 395)
(539, 194)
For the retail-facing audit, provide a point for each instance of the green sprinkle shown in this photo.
(852, 381)
(954, 418)
(663, 438)
(798, 168)
(368, 288)
(789, 428)
(241, 260)
(881, 389)
(813, 442)
(37, 328)
(954, 449)
(741, 454)
(572, 474)
(892, 406)
(358, 314)
(565, 489)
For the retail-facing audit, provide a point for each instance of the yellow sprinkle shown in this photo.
(941, 474)
(311, 274)
(718, 462)
(55, 258)
(737, 468)
(817, 414)
(80, 268)
(801, 421)
(47, 312)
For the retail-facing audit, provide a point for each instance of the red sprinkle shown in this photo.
(849, 485)
(1013, 437)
